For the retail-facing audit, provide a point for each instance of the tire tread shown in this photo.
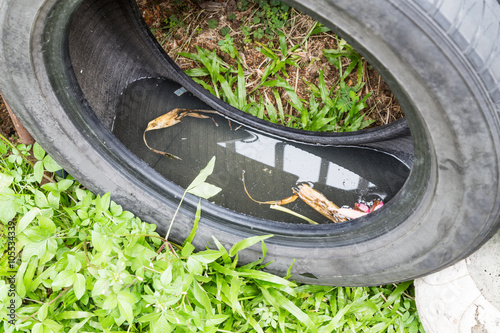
(474, 27)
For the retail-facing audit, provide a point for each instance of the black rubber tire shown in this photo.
(440, 58)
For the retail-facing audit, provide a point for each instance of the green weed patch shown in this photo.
(78, 262)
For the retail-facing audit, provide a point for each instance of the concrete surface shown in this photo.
(463, 298)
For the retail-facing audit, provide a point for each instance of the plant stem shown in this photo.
(173, 218)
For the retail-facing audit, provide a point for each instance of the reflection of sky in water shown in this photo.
(261, 149)
(305, 165)
(342, 178)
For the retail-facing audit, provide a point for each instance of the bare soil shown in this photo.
(7, 128)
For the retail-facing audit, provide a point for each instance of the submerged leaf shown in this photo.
(170, 119)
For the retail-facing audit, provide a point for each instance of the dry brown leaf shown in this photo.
(319, 203)
(170, 119)
(310, 196)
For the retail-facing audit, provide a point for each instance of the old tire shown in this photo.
(442, 62)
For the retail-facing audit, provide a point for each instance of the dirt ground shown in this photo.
(6, 126)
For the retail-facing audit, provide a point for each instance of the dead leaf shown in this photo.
(170, 119)
(319, 202)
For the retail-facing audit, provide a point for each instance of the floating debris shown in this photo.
(320, 203)
(170, 119)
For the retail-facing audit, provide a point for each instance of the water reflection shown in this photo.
(303, 164)
(272, 166)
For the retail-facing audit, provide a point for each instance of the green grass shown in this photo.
(292, 45)
(85, 264)
(336, 109)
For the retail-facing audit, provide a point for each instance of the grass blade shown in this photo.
(197, 217)
(234, 292)
(247, 242)
(293, 309)
(291, 212)
(279, 104)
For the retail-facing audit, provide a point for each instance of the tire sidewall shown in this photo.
(440, 216)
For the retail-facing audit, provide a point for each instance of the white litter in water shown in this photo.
(180, 91)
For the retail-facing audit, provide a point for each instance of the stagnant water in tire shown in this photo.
(272, 166)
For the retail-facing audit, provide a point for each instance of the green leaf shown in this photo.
(3, 148)
(234, 293)
(38, 151)
(201, 296)
(203, 175)
(77, 328)
(198, 186)
(20, 285)
(267, 52)
(246, 243)
(197, 217)
(50, 165)
(64, 184)
(79, 286)
(38, 171)
(41, 200)
(102, 203)
(29, 273)
(53, 200)
(283, 44)
(242, 98)
(197, 72)
(5, 181)
(264, 276)
(207, 256)
(110, 302)
(152, 317)
(161, 325)
(194, 266)
(271, 112)
(270, 299)
(255, 324)
(42, 311)
(216, 319)
(99, 242)
(212, 23)
(267, 71)
(125, 305)
(47, 224)
(64, 279)
(396, 294)
(37, 328)
(74, 315)
(293, 309)
(228, 92)
(27, 219)
(205, 190)
(51, 326)
(187, 250)
(166, 276)
(279, 104)
(8, 205)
